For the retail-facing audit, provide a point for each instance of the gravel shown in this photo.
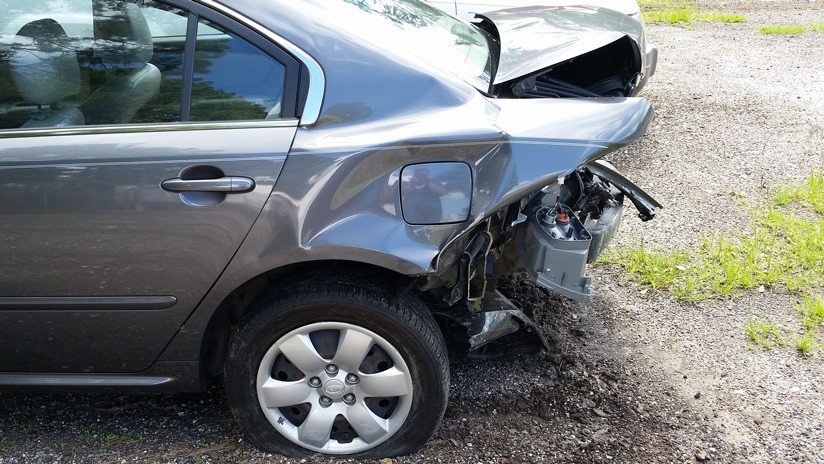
(632, 377)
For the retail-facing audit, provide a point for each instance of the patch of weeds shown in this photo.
(669, 16)
(790, 29)
(4, 444)
(807, 343)
(662, 4)
(810, 193)
(763, 333)
(812, 312)
(719, 17)
(784, 250)
(682, 12)
(654, 269)
(782, 29)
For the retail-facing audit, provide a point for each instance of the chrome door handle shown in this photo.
(223, 184)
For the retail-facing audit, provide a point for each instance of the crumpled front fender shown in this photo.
(534, 38)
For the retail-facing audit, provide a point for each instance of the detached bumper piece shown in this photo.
(494, 326)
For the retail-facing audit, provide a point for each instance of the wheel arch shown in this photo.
(223, 320)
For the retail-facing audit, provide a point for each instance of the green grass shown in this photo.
(810, 193)
(790, 29)
(669, 16)
(688, 15)
(807, 343)
(719, 17)
(765, 334)
(665, 4)
(812, 312)
(782, 29)
(653, 269)
(682, 12)
(784, 250)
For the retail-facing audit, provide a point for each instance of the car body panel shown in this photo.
(513, 149)
(473, 9)
(336, 196)
(469, 8)
(84, 216)
(535, 38)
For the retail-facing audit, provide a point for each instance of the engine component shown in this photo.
(554, 245)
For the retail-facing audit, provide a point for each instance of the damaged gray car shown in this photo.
(310, 199)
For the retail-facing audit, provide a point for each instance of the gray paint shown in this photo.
(534, 38)
(86, 215)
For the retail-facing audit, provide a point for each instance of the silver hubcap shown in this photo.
(334, 388)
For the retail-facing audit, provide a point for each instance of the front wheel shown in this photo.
(337, 366)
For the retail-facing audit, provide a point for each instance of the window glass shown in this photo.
(88, 62)
(234, 80)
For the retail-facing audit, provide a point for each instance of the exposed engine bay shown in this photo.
(609, 71)
(552, 235)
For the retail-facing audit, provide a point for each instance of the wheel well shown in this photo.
(224, 320)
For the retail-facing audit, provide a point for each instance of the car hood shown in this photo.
(535, 38)
(628, 7)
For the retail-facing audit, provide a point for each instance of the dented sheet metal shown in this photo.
(535, 38)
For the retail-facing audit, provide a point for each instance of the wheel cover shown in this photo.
(327, 386)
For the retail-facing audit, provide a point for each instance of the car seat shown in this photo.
(45, 71)
(123, 49)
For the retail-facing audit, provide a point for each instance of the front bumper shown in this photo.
(650, 64)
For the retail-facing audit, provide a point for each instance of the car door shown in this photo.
(132, 165)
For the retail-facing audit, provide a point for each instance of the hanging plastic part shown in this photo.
(554, 246)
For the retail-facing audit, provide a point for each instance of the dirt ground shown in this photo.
(633, 376)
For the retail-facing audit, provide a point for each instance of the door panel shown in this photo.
(84, 216)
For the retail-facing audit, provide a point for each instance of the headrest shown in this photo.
(43, 63)
(122, 36)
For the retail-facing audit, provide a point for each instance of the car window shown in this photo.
(67, 63)
(89, 62)
(234, 80)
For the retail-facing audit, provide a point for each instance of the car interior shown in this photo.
(51, 79)
(104, 62)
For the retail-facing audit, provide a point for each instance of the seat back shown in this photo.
(123, 48)
(45, 71)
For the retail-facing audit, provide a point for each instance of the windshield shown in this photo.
(419, 29)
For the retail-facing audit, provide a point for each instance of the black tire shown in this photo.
(404, 322)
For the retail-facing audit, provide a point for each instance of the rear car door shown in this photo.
(139, 141)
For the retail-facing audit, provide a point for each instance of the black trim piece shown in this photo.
(303, 90)
(644, 203)
(188, 68)
(77, 380)
(93, 303)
